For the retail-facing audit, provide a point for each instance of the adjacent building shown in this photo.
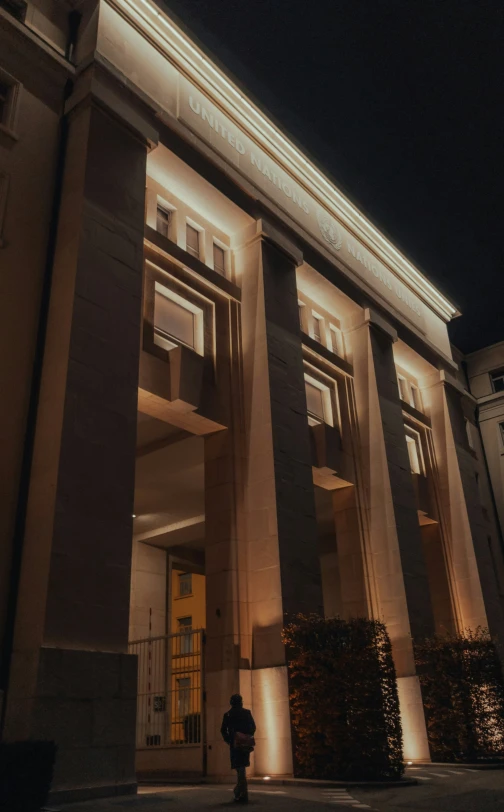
(228, 398)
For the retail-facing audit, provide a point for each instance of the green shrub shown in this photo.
(463, 693)
(26, 770)
(344, 701)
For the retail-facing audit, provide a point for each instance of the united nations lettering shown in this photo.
(329, 230)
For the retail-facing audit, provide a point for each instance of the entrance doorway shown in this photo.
(167, 608)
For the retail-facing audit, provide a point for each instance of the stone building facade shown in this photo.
(231, 399)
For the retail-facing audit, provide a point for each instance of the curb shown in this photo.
(455, 765)
(313, 782)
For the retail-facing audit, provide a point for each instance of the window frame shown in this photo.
(501, 432)
(183, 697)
(318, 319)
(414, 437)
(402, 380)
(329, 393)
(164, 339)
(165, 208)
(200, 232)
(497, 374)
(416, 397)
(470, 438)
(186, 636)
(335, 333)
(4, 191)
(225, 250)
(302, 315)
(9, 117)
(181, 576)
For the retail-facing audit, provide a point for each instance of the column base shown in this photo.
(270, 693)
(415, 744)
(85, 701)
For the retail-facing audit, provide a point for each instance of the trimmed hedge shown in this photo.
(26, 771)
(463, 692)
(344, 701)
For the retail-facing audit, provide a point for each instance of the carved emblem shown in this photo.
(329, 230)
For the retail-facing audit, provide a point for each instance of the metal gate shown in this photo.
(171, 702)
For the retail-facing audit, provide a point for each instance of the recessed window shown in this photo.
(163, 220)
(183, 696)
(317, 328)
(416, 398)
(184, 625)
(415, 452)
(176, 320)
(219, 259)
(497, 379)
(318, 402)
(301, 307)
(173, 320)
(501, 429)
(9, 93)
(314, 404)
(15, 7)
(185, 584)
(469, 433)
(4, 188)
(336, 339)
(5, 90)
(403, 388)
(192, 241)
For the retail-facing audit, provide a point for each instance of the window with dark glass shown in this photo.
(336, 340)
(314, 404)
(317, 328)
(403, 388)
(501, 429)
(219, 259)
(185, 584)
(184, 696)
(497, 379)
(185, 625)
(15, 7)
(172, 320)
(5, 91)
(163, 221)
(192, 241)
(415, 453)
(469, 433)
(301, 316)
(416, 399)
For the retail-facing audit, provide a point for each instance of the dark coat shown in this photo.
(237, 720)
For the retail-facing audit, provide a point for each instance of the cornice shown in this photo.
(192, 62)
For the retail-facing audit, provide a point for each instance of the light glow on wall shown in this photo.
(271, 711)
(181, 51)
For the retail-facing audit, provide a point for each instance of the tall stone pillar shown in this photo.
(471, 568)
(282, 558)
(71, 678)
(228, 636)
(401, 588)
(355, 598)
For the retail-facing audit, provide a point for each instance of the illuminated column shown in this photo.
(471, 567)
(395, 549)
(353, 575)
(284, 575)
(228, 636)
(71, 678)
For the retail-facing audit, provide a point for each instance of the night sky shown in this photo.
(402, 102)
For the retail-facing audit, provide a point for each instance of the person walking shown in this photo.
(237, 729)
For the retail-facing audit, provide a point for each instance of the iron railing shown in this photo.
(170, 705)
